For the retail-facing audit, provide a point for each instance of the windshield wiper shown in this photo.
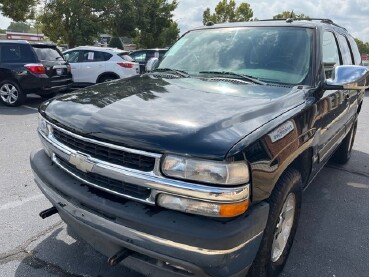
(241, 76)
(176, 71)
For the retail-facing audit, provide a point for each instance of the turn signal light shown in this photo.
(126, 65)
(36, 68)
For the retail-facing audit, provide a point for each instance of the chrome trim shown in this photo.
(153, 179)
(113, 146)
(134, 235)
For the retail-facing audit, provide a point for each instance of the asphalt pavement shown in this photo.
(332, 237)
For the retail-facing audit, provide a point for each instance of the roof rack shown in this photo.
(322, 20)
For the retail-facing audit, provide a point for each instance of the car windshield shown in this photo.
(47, 53)
(270, 54)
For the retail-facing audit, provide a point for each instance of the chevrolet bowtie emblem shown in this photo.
(81, 162)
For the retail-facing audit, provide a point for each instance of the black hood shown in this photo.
(190, 116)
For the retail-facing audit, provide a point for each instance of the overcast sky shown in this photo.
(351, 14)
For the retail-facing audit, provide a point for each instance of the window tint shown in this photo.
(107, 56)
(93, 56)
(13, 53)
(355, 50)
(345, 50)
(139, 56)
(47, 53)
(72, 56)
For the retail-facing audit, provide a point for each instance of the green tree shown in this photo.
(363, 46)
(21, 27)
(75, 22)
(169, 35)
(290, 14)
(18, 10)
(227, 11)
(115, 42)
(154, 17)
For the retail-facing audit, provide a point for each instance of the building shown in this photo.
(24, 36)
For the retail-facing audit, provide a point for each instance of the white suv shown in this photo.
(92, 65)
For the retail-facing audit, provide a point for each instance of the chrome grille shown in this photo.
(107, 183)
(107, 154)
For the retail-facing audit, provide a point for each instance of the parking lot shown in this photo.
(332, 238)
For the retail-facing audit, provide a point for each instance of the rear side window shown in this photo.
(355, 50)
(93, 56)
(16, 53)
(345, 50)
(47, 53)
(107, 56)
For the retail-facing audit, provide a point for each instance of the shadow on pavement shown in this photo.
(61, 255)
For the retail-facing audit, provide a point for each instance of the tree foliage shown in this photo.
(227, 11)
(18, 10)
(115, 42)
(290, 14)
(21, 27)
(363, 46)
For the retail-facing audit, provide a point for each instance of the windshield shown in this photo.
(271, 54)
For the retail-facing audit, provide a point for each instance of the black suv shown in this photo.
(31, 68)
(198, 167)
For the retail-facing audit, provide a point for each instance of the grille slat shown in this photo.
(108, 183)
(115, 156)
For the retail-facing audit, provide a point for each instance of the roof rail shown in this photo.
(322, 20)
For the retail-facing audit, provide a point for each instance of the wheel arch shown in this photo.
(107, 73)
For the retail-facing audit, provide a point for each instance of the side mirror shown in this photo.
(348, 77)
(152, 64)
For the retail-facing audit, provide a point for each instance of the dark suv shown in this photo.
(198, 167)
(31, 68)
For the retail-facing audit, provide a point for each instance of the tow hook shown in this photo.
(49, 212)
(119, 256)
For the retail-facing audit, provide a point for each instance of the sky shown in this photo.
(351, 14)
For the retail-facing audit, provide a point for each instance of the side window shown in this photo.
(345, 50)
(331, 56)
(92, 56)
(72, 57)
(107, 56)
(10, 53)
(354, 49)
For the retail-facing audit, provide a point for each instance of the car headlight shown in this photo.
(43, 126)
(214, 172)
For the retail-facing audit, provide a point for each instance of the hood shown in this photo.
(187, 116)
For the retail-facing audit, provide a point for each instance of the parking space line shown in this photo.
(18, 203)
(29, 107)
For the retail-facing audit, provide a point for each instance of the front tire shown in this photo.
(11, 94)
(285, 204)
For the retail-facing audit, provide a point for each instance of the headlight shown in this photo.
(222, 173)
(43, 126)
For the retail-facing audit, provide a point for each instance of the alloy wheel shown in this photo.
(9, 93)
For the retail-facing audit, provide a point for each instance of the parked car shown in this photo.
(31, 68)
(143, 55)
(198, 167)
(91, 65)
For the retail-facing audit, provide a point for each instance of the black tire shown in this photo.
(11, 94)
(107, 78)
(288, 186)
(343, 153)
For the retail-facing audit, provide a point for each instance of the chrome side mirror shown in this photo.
(152, 64)
(348, 77)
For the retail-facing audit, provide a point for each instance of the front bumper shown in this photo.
(161, 241)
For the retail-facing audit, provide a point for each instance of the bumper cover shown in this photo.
(162, 240)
